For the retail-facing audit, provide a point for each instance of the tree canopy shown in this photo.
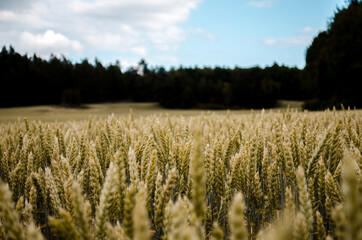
(334, 60)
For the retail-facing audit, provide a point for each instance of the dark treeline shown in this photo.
(334, 61)
(34, 81)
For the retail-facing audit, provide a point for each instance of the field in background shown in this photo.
(57, 113)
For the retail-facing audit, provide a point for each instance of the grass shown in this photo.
(60, 114)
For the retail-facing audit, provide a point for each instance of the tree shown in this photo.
(334, 60)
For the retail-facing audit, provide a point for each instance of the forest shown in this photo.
(35, 81)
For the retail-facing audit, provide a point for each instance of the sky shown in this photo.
(167, 33)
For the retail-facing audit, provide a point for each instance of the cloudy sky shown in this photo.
(167, 32)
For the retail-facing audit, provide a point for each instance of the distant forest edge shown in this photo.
(331, 77)
(34, 81)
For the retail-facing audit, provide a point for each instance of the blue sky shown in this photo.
(167, 32)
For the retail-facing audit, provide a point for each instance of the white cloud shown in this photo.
(49, 42)
(156, 14)
(304, 38)
(169, 39)
(106, 41)
(301, 40)
(125, 40)
(309, 30)
(142, 51)
(132, 27)
(23, 18)
(7, 16)
(261, 3)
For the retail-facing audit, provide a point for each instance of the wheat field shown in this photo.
(263, 175)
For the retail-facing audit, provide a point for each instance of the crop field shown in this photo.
(225, 175)
(102, 111)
